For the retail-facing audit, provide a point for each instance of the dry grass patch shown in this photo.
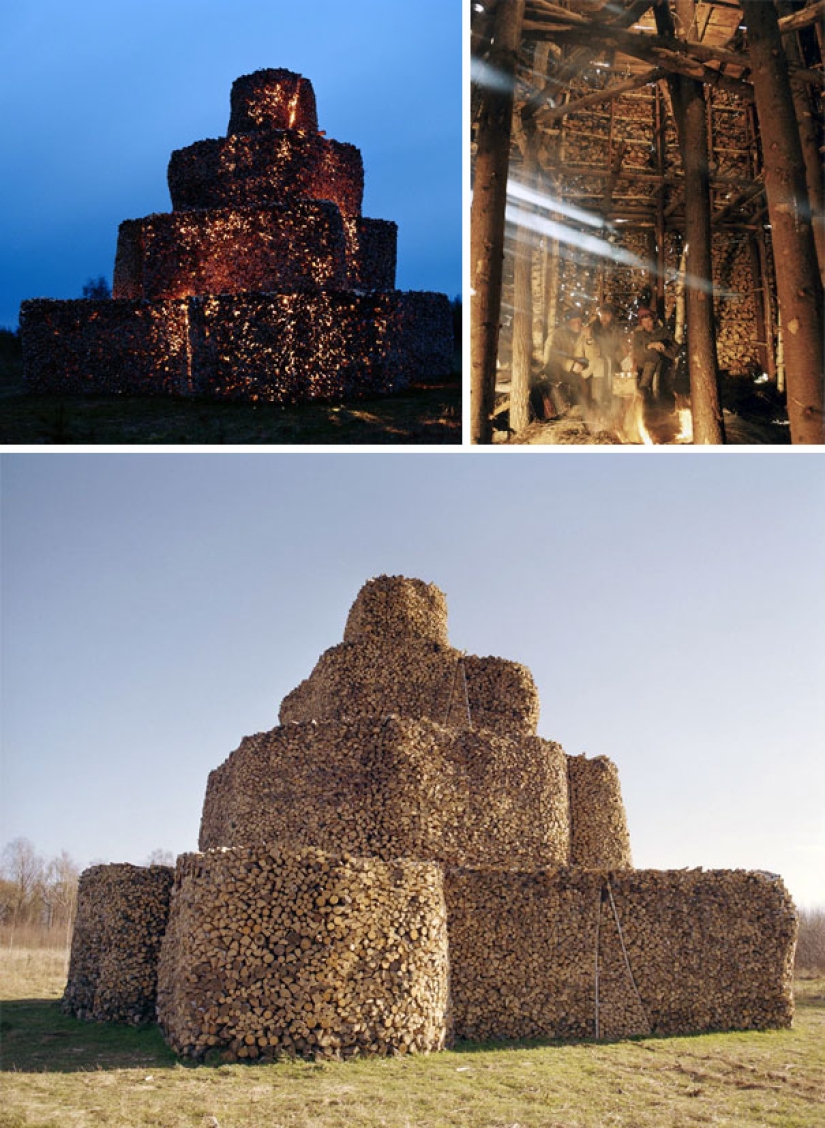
(61, 1072)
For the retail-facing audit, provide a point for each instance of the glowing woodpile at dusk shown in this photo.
(264, 282)
(404, 861)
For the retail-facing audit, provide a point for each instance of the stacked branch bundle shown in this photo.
(265, 282)
(403, 861)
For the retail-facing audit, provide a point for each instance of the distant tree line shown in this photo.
(97, 288)
(36, 893)
(810, 946)
(38, 896)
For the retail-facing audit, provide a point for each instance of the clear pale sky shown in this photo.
(95, 96)
(157, 608)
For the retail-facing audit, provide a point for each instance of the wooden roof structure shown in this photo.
(593, 113)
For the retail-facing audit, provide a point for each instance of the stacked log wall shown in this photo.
(271, 951)
(540, 954)
(598, 824)
(276, 348)
(122, 912)
(395, 788)
(396, 659)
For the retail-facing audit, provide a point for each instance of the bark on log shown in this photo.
(798, 282)
(689, 110)
(521, 371)
(809, 140)
(487, 217)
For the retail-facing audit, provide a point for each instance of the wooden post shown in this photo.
(798, 283)
(659, 124)
(487, 216)
(522, 363)
(765, 350)
(802, 97)
(691, 122)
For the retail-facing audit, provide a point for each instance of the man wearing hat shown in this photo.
(574, 360)
(653, 348)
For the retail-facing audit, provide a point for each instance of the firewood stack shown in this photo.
(598, 825)
(314, 920)
(396, 658)
(122, 912)
(589, 953)
(273, 950)
(395, 788)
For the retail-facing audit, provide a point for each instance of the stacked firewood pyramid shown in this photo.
(402, 861)
(265, 282)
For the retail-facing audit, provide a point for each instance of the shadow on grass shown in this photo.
(38, 1038)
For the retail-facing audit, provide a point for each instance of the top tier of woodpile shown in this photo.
(395, 659)
(389, 608)
(273, 152)
(272, 99)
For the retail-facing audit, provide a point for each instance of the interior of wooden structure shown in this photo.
(595, 189)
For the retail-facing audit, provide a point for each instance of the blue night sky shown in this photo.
(96, 95)
(157, 608)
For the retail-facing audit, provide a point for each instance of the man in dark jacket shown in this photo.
(653, 349)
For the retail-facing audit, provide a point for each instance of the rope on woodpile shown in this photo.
(450, 695)
(598, 929)
(462, 665)
(626, 959)
(466, 694)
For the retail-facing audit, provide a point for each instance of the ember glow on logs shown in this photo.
(265, 282)
(403, 861)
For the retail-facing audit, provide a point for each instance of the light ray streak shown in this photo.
(588, 244)
(541, 200)
(490, 77)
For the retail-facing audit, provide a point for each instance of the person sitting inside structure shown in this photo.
(574, 362)
(653, 349)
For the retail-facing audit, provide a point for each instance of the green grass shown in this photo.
(57, 1071)
(424, 413)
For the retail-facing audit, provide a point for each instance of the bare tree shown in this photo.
(161, 858)
(97, 288)
(22, 868)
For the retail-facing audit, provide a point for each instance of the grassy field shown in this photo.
(60, 1072)
(424, 413)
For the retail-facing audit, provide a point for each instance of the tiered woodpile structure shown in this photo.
(659, 153)
(386, 871)
(265, 282)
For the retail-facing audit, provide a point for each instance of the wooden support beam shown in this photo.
(738, 202)
(689, 111)
(553, 113)
(628, 42)
(487, 218)
(804, 18)
(670, 54)
(798, 283)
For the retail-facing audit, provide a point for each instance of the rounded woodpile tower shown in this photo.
(403, 861)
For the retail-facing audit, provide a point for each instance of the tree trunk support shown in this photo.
(798, 283)
(487, 216)
(691, 122)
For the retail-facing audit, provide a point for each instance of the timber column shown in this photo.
(487, 215)
(798, 282)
